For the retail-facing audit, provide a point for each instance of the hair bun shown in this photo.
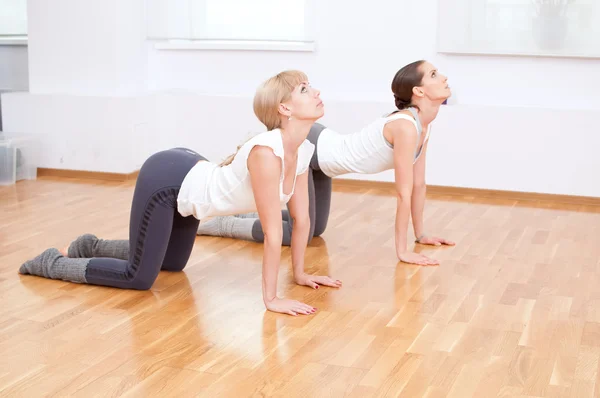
(400, 103)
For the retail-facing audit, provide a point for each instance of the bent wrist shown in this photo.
(419, 237)
(269, 300)
(299, 277)
(401, 246)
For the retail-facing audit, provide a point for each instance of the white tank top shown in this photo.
(364, 152)
(211, 190)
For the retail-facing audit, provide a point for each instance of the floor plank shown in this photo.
(513, 309)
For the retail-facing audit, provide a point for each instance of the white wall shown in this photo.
(116, 134)
(92, 47)
(361, 47)
(520, 123)
(13, 68)
(507, 148)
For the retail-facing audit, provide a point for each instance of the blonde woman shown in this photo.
(178, 187)
(397, 141)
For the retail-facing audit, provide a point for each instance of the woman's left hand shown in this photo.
(432, 240)
(315, 280)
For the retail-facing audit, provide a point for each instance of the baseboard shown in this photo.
(383, 186)
(468, 193)
(83, 174)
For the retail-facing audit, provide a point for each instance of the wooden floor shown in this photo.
(513, 309)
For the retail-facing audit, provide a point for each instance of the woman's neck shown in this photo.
(427, 112)
(294, 133)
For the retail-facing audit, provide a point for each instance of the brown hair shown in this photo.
(404, 81)
(269, 95)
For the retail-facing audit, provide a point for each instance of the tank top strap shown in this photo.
(413, 110)
(415, 119)
(416, 122)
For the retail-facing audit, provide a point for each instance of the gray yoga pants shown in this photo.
(159, 237)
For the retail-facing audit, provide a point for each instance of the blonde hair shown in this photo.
(268, 96)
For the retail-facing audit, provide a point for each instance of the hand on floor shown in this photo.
(416, 258)
(291, 307)
(315, 280)
(432, 240)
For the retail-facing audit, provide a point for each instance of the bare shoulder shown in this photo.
(401, 129)
(262, 159)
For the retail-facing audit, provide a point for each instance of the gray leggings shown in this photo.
(159, 237)
(319, 196)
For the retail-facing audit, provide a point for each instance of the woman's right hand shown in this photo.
(291, 307)
(416, 258)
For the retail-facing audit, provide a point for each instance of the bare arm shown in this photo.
(298, 208)
(301, 231)
(418, 203)
(265, 171)
(405, 139)
(419, 193)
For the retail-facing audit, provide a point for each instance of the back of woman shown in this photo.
(366, 151)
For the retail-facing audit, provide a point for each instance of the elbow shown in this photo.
(420, 186)
(302, 222)
(404, 195)
(404, 200)
(273, 236)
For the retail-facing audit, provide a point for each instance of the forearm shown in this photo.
(270, 269)
(402, 217)
(419, 194)
(300, 232)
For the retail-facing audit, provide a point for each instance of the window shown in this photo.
(13, 17)
(246, 20)
(562, 28)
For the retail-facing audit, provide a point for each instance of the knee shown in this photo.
(320, 229)
(174, 267)
(143, 285)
